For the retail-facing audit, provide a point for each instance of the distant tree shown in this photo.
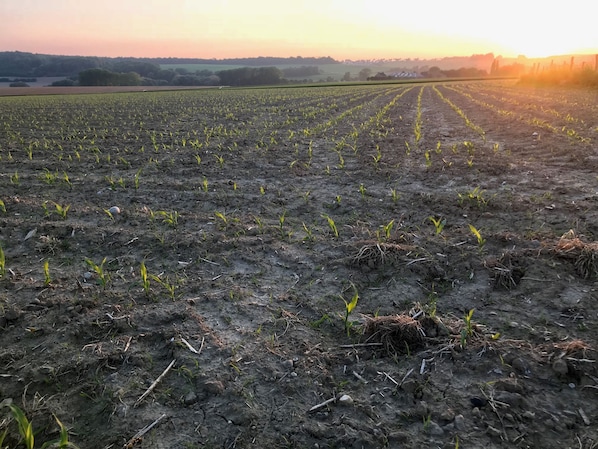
(64, 82)
(166, 75)
(346, 76)
(18, 84)
(128, 79)
(142, 68)
(96, 77)
(364, 74)
(250, 76)
(433, 72)
(297, 72)
(102, 77)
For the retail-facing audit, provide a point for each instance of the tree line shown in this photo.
(24, 64)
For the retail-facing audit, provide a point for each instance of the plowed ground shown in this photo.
(259, 215)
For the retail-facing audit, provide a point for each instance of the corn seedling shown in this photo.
(427, 420)
(47, 212)
(145, 283)
(47, 277)
(468, 331)
(2, 206)
(331, 225)
(317, 323)
(476, 196)
(204, 185)
(428, 158)
(27, 433)
(222, 217)
(170, 287)
(362, 190)
(110, 214)
(14, 178)
(341, 161)
(67, 180)
(136, 178)
(349, 306)
(103, 277)
(260, 223)
(281, 221)
(220, 160)
(478, 236)
(438, 224)
(170, 218)
(49, 177)
(308, 233)
(2, 263)
(377, 157)
(394, 195)
(387, 228)
(62, 210)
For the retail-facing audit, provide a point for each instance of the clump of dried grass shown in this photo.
(378, 254)
(585, 254)
(506, 271)
(398, 334)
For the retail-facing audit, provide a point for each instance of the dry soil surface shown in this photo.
(461, 217)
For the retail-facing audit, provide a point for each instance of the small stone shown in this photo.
(447, 415)
(190, 398)
(478, 402)
(560, 367)
(459, 422)
(214, 387)
(433, 428)
(513, 399)
(422, 410)
(288, 364)
(510, 385)
(409, 386)
(520, 365)
(345, 399)
(12, 313)
(114, 210)
(528, 415)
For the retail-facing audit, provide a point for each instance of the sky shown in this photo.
(342, 29)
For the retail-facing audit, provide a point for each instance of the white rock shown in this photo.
(345, 399)
(114, 210)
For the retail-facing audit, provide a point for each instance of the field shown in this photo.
(352, 266)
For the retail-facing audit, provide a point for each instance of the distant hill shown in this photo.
(32, 65)
(22, 64)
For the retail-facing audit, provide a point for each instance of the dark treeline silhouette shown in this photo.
(251, 76)
(259, 61)
(302, 71)
(22, 64)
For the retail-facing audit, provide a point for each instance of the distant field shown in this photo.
(335, 71)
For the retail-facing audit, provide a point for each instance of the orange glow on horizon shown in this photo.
(347, 29)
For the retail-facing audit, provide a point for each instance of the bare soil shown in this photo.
(259, 215)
